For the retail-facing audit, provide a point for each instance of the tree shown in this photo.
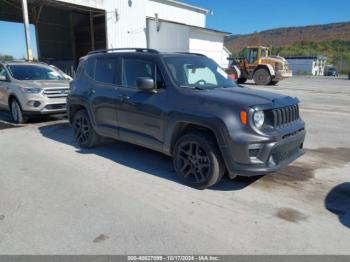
(6, 57)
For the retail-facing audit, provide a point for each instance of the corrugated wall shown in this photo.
(129, 27)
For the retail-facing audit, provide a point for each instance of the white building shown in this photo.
(68, 29)
(307, 65)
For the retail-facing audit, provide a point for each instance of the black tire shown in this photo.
(197, 160)
(16, 112)
(273, 83)
(262, 77)
(84, 133)
(241, 80)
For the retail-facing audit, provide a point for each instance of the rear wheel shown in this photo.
(262, 77)
(241, 80)
(197, 160)
(17, 112)
(84, 133)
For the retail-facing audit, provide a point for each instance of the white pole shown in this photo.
(26, 29)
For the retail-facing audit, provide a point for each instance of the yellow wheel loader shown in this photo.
(258, 65)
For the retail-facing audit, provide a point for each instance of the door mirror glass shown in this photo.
(3, 78)
(145, 84)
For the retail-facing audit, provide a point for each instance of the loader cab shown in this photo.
(253, 55)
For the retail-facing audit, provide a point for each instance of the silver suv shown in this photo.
(28, 88)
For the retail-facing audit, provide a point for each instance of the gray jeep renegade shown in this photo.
(184, 105)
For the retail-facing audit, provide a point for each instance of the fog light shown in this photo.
(33, 103)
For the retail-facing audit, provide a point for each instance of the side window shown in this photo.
(80, 69)
(134, 68)
(253, 55)
(105, 70)
(2, 73)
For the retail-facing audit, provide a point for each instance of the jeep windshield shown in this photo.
(34, 72)
(197, 72)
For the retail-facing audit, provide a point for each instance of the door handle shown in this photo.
(91, 91)
(126, 99)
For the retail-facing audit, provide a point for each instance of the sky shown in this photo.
(13, 39)
(234, 16)
(248, 16)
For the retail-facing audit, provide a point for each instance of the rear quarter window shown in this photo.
(90, 67)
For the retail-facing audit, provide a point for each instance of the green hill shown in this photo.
(331, 40)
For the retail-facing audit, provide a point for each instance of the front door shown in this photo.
(3, 87)
(253, 55)
(140, 114)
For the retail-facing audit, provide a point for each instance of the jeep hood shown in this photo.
(247, 97)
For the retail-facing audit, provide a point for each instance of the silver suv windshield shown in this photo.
(34, 72)
(198, 72)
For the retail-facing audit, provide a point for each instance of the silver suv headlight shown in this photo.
(31, 90)
(259, 118)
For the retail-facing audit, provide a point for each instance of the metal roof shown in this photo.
(184, 5)
(193, 26)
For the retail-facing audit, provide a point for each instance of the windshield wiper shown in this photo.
(193, 87)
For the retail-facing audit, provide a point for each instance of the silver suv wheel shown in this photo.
(16, 112)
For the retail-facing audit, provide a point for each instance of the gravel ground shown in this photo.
(122, 199)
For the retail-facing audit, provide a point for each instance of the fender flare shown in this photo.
(268, 67)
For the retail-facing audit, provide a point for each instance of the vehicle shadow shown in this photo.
(338, 202)
(6, 117)
(136, 157)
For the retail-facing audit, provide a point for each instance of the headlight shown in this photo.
(259, 118)
(31, 90)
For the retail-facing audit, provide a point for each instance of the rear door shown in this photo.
(141, 114)
(103, 97)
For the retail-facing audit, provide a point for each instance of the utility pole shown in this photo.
(26, 29)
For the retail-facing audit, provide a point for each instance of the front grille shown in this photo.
(280, 156)
(285, 115)
(56, 106)
(56, 93)
(286, 151)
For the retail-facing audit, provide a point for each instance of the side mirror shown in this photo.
(3, 78)
(145, 84)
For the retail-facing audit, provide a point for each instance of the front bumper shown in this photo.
(283, 74)
(37, 104)
(49, 109)
(266, 156)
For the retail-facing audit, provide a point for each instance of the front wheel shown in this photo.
(262, 77)
(84, 133)
(197, 160)
(17, 112)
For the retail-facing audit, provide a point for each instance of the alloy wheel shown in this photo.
(14, 111)
(82, 129)
(193, 162)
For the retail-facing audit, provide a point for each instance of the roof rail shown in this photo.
(143, 50)
(189, 53)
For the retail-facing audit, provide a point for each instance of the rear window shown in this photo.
(105, 70)
(89, 67)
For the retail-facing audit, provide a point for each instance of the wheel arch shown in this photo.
(184, 127)
(268, 67)
(74, 109)
(11, 97)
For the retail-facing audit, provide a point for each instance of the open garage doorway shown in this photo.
(64, 32)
